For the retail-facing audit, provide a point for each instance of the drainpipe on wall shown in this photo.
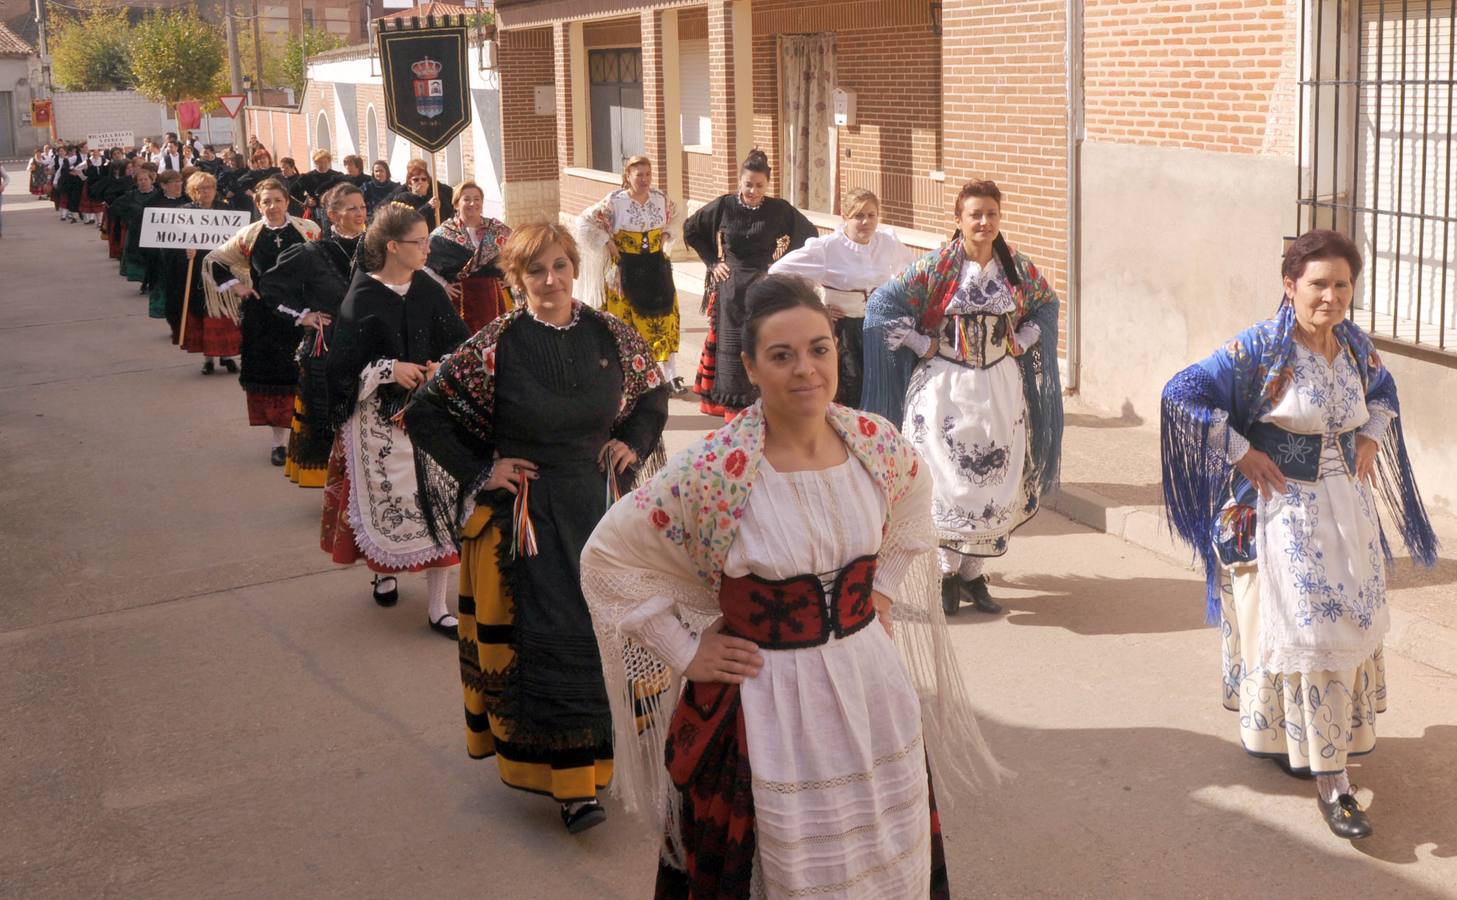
(1073, 67)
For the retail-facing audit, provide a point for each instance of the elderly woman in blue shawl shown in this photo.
(961, 348)
(1276, 451)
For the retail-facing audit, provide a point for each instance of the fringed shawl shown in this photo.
(455, 255)
(594, 229)
(921, 294)
(1244, 379)
(670, 540)
(450, 418)
(234, 253)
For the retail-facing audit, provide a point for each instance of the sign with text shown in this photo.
(426, 79)
(173, 228)
(105, 140)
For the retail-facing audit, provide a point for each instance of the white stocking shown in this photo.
(670, 368)
(436, 582)
(280, 436)
(1332, 786)
(972, 567)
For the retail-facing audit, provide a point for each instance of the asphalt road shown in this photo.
(196, 703)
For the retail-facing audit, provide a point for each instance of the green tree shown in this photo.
(89, 49)
(297, 50)
(175, 55)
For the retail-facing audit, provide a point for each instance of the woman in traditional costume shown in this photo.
(763, 573)
(738, 236)
(93, 172)
(260, 169)
(118, 185)
(419, 194)
(393, 328)
(208, 332)
(463, 258)
(1276, 450)
(624, 239)
(961, 348)
(526, 435)
(131, 208)
(69, 183)
(155, 281)
(379, 188)
(354, 170)
(36, 169)
(308, 283)
(270, 374)
(849, 264)
(309, 188)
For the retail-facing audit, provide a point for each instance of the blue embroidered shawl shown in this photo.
(1245, 379)
(921, 293)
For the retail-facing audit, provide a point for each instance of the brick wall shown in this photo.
(372, 94)
(529, 150)
(1218, 75)
(79, 113)
(612, 33)
(887, 53)
(699, 180)
(1005, 118)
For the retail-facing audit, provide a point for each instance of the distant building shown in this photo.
(19, 68)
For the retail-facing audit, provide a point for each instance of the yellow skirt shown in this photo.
(486, 617)
(302, 472)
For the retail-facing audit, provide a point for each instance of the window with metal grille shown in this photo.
(1376, 138)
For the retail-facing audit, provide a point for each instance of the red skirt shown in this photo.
(211, 336)
(88, 205)
(707, 367)
(482, 301)
(269, 409)
(336, 535)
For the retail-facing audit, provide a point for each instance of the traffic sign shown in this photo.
(232, 103)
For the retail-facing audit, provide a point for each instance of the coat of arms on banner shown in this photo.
(429, 88)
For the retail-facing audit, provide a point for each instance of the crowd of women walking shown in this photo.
(749, 641)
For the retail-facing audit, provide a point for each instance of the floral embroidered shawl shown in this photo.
(670, 540)
(450, 417)
(455, 256)
(1245, 379)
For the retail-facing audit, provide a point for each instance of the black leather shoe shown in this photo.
(980, 597)
(389, 597)
(586, 815)
(229, 365)
(451, 631)
(950, 594)
(279, 456)
(1345, 817)
(207, 368)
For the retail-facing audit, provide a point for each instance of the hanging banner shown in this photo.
(426, 78)
(190, 229)
(40, 112)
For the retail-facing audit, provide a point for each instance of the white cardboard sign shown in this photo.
(105, 140)
(190, 229)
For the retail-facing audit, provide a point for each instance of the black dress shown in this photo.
(130, 208)
(421, 205)
(155, 280)
(315, 276)
(269, 339)
(530, 668)
(377, 192)
(749, 240)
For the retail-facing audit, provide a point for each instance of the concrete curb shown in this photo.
(1415, 637)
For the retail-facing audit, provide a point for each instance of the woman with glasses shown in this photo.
(394, 327)
(418, 194)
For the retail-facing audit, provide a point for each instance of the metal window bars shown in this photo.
(1375, 135)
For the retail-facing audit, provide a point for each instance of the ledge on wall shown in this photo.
(611, 178)
(911, 237)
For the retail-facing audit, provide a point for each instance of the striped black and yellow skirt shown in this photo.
(539, 763)
(647, 299)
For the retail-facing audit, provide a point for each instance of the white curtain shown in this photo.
(807, 73)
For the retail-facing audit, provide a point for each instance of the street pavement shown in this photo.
(196, 703)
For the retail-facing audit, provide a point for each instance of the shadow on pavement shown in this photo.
(1090, 606)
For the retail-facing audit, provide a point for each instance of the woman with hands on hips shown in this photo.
(1276, 450)
(525, 436)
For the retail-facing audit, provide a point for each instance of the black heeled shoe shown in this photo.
(586, 815)
(1345, 817)
(980, 596)
(950, 594)
(229, 365)
(208, 368)
(389, 597)
(279, 456)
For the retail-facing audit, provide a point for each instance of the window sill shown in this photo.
(611, 178)
(911, 237)
(698, 149)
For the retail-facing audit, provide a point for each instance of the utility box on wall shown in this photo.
(545, 100)
(843, 102)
